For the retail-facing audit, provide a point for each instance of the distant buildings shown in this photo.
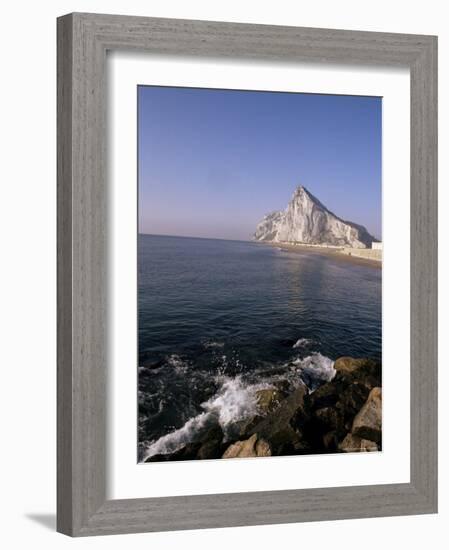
(376, 246)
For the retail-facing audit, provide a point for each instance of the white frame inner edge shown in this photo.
(127, 479)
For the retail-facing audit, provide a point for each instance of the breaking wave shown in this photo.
(315, 369)
(236, 400)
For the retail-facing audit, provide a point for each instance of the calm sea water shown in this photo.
(220, 319)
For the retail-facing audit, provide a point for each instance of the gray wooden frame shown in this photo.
(83, 40)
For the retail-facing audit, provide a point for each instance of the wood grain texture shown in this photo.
(64, 276)
(423, 290)
(83, 40)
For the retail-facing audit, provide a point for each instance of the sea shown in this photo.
(219, 319)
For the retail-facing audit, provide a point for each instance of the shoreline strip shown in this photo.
(336, 253)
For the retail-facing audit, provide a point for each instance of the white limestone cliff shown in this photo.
(306, 220)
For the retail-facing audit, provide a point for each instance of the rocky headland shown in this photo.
(307, 221)
(342, 415)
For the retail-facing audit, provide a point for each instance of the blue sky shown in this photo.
(212, 163)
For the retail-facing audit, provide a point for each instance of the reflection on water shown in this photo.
(211, 308)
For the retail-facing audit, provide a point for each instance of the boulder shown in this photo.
(367, 423)
(350, 401)
(282, 429)
(283, 386)
(324, 396)
(351, 443)
(348, 365)
(330, 441)
(329, 418)
(268, 399)
(251, 447)
(344, 415)
(210, 450)
(212, 444)
(262, 448)
(364, 371)
(334, 405)
(242, 428)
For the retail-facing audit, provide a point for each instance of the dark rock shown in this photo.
(352, 398)
(330, 441)
(325, 396)
(301, 447)
(350, 402)
(242, 429)
(329, 418)
(368, 421)
(323, 421)
(334, 405)
(215, 433)
(364, 371)
(211, 444)
(283, 386)
(268, 400)
(351, 444)
(348, 365)
(210, 450)
(282, 428)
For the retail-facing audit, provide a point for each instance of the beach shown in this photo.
(342, 254)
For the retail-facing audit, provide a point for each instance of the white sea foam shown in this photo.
(213, 344)
(302, 342)
(234, 401)
(315, 369)
(177, 363)
(175, 440)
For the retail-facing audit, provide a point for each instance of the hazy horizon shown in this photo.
(212, 163)
(194, 237)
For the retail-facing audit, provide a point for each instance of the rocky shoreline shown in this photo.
(343, 415)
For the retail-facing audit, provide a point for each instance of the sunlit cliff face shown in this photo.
(307, 220)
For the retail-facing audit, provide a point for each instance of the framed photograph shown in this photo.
(247, 274)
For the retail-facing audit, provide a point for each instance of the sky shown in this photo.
(212, 163)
